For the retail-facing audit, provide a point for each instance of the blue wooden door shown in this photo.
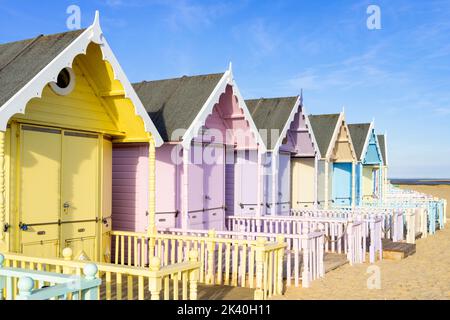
(342, 184)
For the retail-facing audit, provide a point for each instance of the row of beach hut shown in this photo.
(120, 172)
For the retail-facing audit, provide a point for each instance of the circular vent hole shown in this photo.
(65, 82)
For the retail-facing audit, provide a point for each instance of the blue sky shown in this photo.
(399, 75)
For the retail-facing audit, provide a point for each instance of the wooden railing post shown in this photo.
(67, 255)
(154, 284)
(211, 246)
(306, 274)
(25, 286)
(445, 210)
(89, 271)
(410, 226)
(351, 255)
(279, 276)
(259, 258)
(193, 276)
(423, 221)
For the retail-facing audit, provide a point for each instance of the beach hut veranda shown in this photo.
(290, 161)
(368, 169)
(337, 160)
(66, 104)
(208, 162)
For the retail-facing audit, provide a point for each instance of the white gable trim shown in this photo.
(366, 142)
(207, 109)
(34, 88)
(311, 132)
(341, 119)
(287, 125)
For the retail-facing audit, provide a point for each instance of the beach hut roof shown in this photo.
(174, 103)
(273, 114)
(27, 66)
(21, 61)
(324, 127)
(185, 103)
(359, 133)
(382, 142)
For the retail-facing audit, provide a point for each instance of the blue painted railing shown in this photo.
(62, 287)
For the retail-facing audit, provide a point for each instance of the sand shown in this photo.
(424, 275)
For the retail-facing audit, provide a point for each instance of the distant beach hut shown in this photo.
(290, 161)
(337, 160)
(209, 160)
(368, 169)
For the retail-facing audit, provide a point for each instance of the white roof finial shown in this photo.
(97, 34)
(96, 18)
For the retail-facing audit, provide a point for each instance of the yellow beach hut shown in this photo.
(337, 160)
(65, 103)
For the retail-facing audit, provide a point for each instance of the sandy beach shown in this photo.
(425, 275)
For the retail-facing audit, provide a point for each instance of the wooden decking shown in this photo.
(205, 292)
(397, 250)
(209, 292)
(334, 260)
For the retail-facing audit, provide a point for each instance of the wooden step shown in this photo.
(397, 250)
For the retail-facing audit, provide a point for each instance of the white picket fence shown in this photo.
(304, 254)
(342, 235)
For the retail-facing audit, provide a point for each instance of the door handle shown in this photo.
(23, 226)
(66, 205)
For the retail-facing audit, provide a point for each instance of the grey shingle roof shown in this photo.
(382, 144)
(323, 128)
(20, 61)
(359, 132)
(272, 113)
(174, 103)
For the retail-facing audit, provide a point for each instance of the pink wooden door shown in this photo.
(214, 186)
(246, 183)
(196, 188)
(284, 181)
(230, 181)
(167, 180)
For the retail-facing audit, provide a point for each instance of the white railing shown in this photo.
(304, 254)
(120, 281)
(256, 264)
(41, 285)
(341, 235)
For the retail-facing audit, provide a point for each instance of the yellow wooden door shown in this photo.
(302, 175)
(367, 182)
(39, 190)
(80, 193)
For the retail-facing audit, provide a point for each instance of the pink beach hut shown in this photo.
(290, 161)
(205, 126)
